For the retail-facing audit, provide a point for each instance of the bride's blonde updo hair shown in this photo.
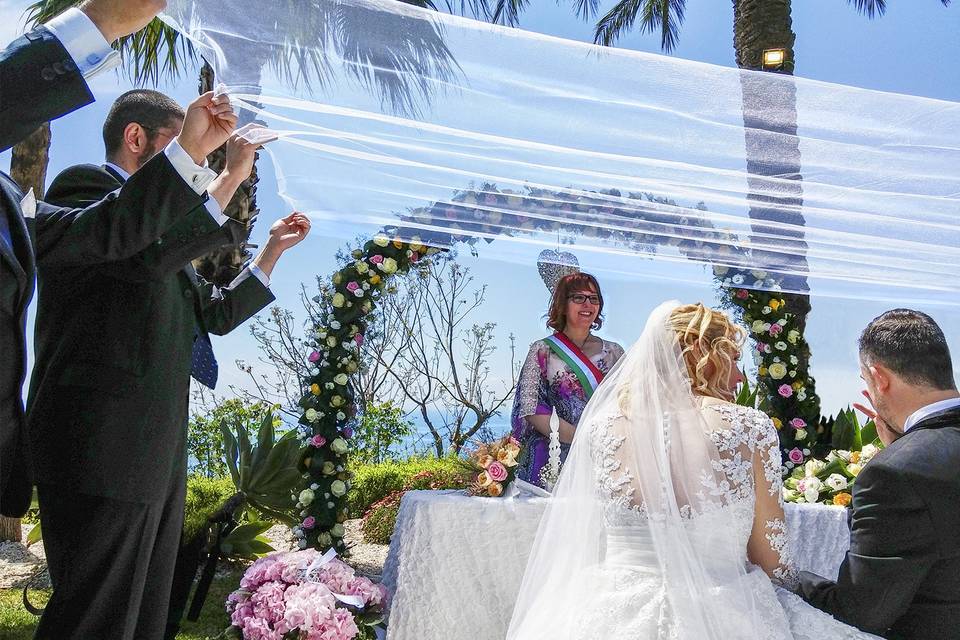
(709, 342)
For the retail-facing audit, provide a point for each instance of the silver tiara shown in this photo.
(554, 265)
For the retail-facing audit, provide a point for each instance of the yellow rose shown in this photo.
(842, 499)
(336, 401)
(792, 336)
(855, 457)
(777, 423)
(375, 279)
(762, 371)
(774, 304)
(854, 469)
(483, 479)
(381, 240)
(416, 245)
(513, 449)
(361, 266)
(315, 389)
(389, 266)
(777, 370)
(504, 456)
(339, 300)
(797, 385)
(398, 243)
(495, 490)
(484, 460)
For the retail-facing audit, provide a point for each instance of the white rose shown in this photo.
(868, 452)
(341, 379)
(781, 346)
(361, 266)
(341, 416)
(338, 488)
(801, 434)
(794, 360)
(339, 446)
(312, 415)
(306, 497)
(836, 482)
(767, 310)
(854, 469)
(811, 489)
(757, 326)
(381, 240)
(335, 324)
(338, 300)
(337, 530)
(738, 279)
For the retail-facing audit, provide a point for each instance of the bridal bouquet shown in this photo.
(305, 595)
(495, 466)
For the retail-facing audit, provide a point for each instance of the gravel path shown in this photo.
(19, 563)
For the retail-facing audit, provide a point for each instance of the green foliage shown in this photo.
(247, 541)
(204, 498)
(845, 431)
(373, 483)
(381, 427)
(264, 472)
(205, 440)
(747, 395)
(380, 520)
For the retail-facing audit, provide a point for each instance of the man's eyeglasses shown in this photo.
(579, 298)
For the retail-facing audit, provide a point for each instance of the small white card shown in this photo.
(28, 206)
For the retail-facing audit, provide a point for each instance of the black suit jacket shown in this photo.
(901, 577)
(108, 404)
(39, 82)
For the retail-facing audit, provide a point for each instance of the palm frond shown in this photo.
(155, 52)
(586, 9)
(507, 12)
(663, 16)
(871, 8)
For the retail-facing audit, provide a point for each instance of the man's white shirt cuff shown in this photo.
(199, 178)
(83, 41)
(253, 270)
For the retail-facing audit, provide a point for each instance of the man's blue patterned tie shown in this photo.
(203, 364)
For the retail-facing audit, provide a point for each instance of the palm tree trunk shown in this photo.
(774, 180)
(223, 265)
(28, 168)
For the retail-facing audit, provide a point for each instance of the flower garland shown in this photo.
(782, 356)
(329, 404)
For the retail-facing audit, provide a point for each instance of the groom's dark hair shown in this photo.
(910, 344)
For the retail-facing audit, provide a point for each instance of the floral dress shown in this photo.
(547, 384)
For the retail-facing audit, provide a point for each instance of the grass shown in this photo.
(16, 623)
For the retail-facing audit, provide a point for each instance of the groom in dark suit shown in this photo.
(42, 77)
(901, 577)
(116, 344)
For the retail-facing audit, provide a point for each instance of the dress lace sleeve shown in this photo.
(769, 547)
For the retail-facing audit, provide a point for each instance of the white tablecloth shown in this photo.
(456, 562)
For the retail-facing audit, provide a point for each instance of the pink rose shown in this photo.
(785, 390)
(497, 472)
(775, 329)
(314, 356)
(414, 256)
(318, 441)
(352, 286)
(795, 455)
(742, 294)
(377, 259)
(309, 522)
(358, 339)
(798, 423)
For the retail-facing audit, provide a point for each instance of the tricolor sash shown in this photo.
(586, 372)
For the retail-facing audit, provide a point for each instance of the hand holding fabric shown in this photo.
(118, 18)
(209, 122)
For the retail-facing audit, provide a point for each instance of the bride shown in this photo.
(667, 521)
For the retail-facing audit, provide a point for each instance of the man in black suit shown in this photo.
(42, 76)
(901, 577)
(116, 344)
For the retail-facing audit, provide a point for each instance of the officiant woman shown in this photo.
(561, 372)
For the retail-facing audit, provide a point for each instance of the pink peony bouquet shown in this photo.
(305, 595)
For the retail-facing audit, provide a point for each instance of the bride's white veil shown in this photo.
(642, 440)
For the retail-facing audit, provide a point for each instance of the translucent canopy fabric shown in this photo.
(452, 130)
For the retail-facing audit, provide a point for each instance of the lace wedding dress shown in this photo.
(668, 521)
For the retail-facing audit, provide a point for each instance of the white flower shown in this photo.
(339, 446)
(341, 416)
(793, 374)
(836, 482)
(738, 279)
(717, 270)
(335, 324)
(801, 434)
(760, 275)
(757, 326)
(328, 385)
(781, 346)
(811, 489)
(312, 415)
(306, 497)
(338, 488)
(359, 293)
(767, 310)
(314, 486)
(302, 544)
(341, 379)
(868, 452)
(794, 360)
(337, 530)
(854, 469)
(801, 395)
(381, 240)
(812, 467)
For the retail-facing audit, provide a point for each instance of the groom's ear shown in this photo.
(880, 376)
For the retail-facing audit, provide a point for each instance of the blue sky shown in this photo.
(912, 50)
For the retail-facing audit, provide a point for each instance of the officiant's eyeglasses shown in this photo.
(579, 298)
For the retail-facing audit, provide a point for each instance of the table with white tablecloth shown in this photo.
(456, 562)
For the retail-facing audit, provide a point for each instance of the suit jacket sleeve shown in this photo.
(39, 82)
(188, 239)
(892, 547)
(224, 309)
(125, 222)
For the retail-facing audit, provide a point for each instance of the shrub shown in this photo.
(381, 517)
(373, 483)
(204, 497)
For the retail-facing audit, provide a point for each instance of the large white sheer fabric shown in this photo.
(648, 531)
(454, 130)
